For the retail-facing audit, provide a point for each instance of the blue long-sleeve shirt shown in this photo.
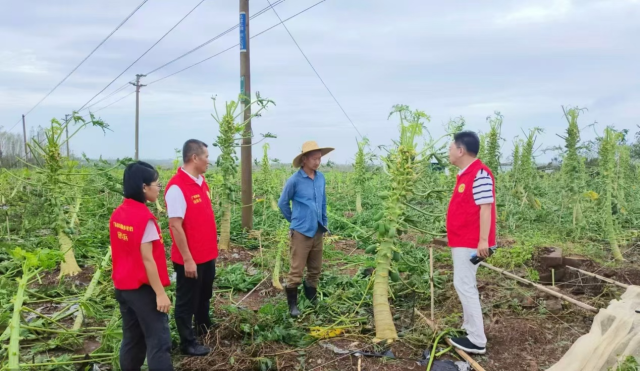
(309, 203)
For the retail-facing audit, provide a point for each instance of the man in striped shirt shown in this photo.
(471, 227)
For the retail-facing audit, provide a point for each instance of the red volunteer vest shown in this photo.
(199, 222)
(463, 216)
(126, 229)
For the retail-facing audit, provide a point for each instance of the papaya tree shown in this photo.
(401, 165)
(63, 181)
(360, 171)
(515, 159)
(231, 133)
(492, 143)
(525, 178)
(573, 170)
(607, 173)
(267, 186)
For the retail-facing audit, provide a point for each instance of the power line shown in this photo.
(143, 54)
(189, 52)
(107, 96)
(231, 47)
(260, 12)
(87, 57)
(316, 72)
(112, 103)
(16, 124)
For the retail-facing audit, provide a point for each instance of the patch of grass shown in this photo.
(235, 277)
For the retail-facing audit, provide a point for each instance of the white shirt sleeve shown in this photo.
(483, 188)
(176, 204)
(150, 232)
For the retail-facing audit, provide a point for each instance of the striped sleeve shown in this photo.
(483, 188)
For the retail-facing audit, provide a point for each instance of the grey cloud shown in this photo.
(523, 58)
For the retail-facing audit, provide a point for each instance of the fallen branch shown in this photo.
(252, 290)
(605, 279)
(542, 288)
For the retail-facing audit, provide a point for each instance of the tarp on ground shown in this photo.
(614, 335)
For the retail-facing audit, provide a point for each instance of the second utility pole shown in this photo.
(245, 90)
(138, 86)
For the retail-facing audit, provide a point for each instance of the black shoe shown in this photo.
(466, 345)
(310, 293)
(292, 300)
(195, 350)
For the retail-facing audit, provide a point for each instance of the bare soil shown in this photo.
(52, 278)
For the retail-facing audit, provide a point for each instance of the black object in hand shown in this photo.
(475, 259)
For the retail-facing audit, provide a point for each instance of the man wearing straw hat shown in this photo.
(306, 192)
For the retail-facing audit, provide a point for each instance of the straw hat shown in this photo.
(307, 147)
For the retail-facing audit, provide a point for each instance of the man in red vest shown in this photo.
(471, 227)
(195, 247)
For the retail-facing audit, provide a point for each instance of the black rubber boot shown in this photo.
(310, 293)
(292, 300)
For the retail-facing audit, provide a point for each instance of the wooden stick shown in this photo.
(431, 279)
(460, 352)
(542, 288)
(254, 289)
(605, 279)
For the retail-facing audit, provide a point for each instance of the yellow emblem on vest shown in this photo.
(461, 188)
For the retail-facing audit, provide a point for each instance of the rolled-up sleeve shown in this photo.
(285, 199)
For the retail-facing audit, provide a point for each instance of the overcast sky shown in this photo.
(524, 58)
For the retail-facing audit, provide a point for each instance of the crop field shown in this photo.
(386, 215)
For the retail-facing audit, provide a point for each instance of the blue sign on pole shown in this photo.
(242, 85)
(243, 32)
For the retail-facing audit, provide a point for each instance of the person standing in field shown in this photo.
(195, 246)
(471, 227)
(305, 189)
(140, 273)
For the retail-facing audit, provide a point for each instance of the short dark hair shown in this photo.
(137, 174)
(192, 147)
(469, 141)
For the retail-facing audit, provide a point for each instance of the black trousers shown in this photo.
(145, 331)
(193, 296)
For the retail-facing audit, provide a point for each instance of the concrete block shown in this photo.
(552, 259)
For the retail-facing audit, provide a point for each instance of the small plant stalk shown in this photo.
(14, 325)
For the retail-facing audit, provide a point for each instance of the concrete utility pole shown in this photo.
(245, 89)
(66, 129)
(138, 86)
(24, 133)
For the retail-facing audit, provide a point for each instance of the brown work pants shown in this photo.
(305, 251)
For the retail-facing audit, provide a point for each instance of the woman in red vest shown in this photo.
(140, 273)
